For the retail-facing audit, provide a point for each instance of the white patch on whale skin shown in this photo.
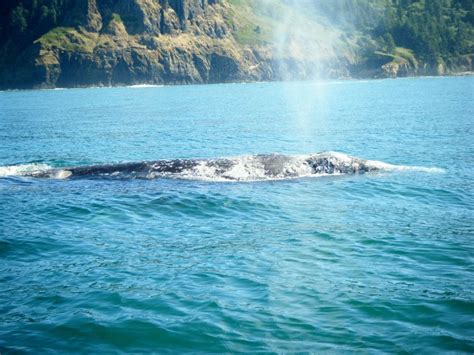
(250, 168)
(245, 168)
(61, 174)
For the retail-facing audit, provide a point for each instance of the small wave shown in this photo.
(143, 86)
(378, 165)
(244, 168)
(423, 169)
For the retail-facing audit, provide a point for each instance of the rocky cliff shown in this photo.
(123, 42)
(104, 43)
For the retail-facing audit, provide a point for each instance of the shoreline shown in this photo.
(159, 85)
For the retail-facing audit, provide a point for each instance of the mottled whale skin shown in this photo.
(254, 167)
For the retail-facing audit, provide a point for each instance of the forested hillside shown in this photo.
(437, 32)
(48, 43)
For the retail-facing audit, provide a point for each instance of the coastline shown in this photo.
(144, 85)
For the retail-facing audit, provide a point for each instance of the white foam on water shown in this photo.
(23, 169)
(144, 86)
(34, 170)
(423, 169)
(391, 167)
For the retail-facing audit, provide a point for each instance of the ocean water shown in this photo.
(241, 262)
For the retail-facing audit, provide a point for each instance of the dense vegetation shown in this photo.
(21, 20)
(432, 31)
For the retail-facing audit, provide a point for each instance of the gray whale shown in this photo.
(251, 167)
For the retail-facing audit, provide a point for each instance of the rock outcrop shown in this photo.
(109, 42)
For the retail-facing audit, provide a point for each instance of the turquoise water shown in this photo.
(379, 262)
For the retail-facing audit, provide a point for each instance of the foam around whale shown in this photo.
(243, 168)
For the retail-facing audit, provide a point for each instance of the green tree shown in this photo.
(18, 19)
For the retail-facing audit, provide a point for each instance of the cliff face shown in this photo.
(107, 42)
(123, 42)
